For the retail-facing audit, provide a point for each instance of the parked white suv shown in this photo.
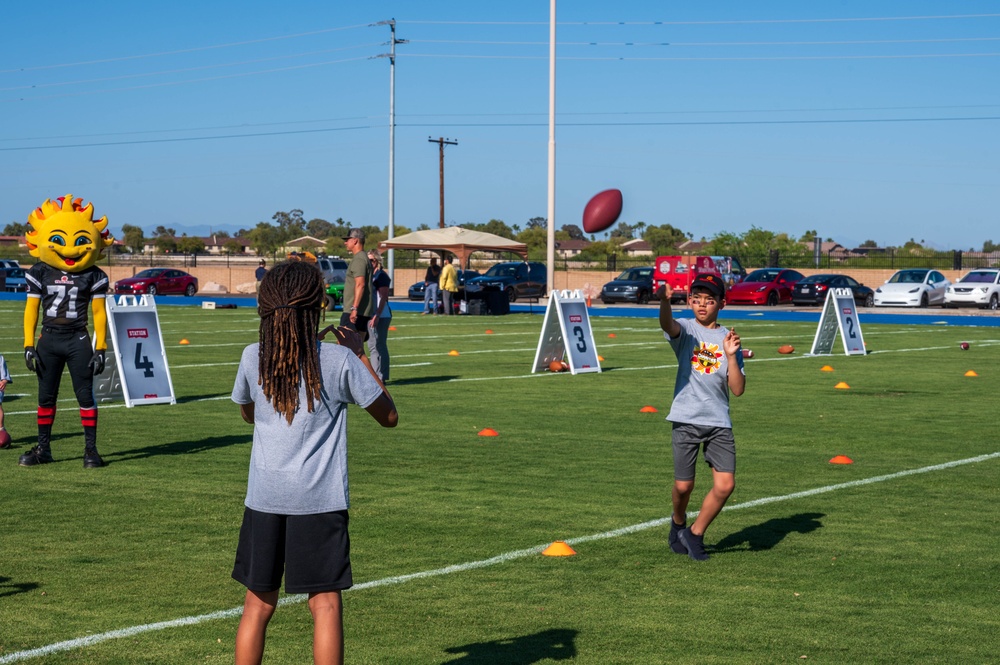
(979, 288)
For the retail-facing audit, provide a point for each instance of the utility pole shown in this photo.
(391, 258)
(442, 142)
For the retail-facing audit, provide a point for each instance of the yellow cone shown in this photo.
(184, 341)
(453, 352)
(826, 368)
(559, 548)
(842, 386)
(971, 373)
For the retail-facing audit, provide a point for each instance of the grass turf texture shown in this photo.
(891, 572)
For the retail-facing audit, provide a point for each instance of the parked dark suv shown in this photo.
(515, 279)
(633, 285)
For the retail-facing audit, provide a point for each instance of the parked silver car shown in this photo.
(977, 288)
(913, 287)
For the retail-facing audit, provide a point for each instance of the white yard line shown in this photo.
(90, 640)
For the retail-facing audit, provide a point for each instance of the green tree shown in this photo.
(494, 226)
(290, 224)
(663, 239)
(869, 243)
(266, 238)
(623, 231)
(319, 228)
(574, 232)
(191, 245)
(535, 238)
(16, 229)
(989, 247)
(162, 231)
(232, 247)
(221, 234)
(133, 238)
(537, 223)
(809, 236)
(165, 244)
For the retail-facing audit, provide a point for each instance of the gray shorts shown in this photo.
(720, 449)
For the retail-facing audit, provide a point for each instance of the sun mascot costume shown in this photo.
(65, 283)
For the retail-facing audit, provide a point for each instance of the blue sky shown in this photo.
(862, 120)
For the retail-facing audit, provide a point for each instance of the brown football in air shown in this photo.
(786, 349)
(602, 211)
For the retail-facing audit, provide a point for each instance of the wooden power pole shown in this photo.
(442, 142)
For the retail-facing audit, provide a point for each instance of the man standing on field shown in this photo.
(358, 302)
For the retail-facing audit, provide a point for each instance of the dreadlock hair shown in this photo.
(289, 303)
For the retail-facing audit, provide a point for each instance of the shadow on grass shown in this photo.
(768, 534)
(555, 644)
(419, 380)
(178, 448)
(9, 588)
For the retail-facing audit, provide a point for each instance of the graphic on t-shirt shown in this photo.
(706, 358)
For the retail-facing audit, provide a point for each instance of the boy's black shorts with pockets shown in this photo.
(719, 445)
(313, 552)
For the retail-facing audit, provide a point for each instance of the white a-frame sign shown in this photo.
(139, 352)
(839, 313)
(566, 332)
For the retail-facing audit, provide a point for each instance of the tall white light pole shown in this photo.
(391, 258)
(550, 250)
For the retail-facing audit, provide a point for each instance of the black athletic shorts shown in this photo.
(313, 551)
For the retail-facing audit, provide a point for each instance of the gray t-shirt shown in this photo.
(301, 469)
(701, 393)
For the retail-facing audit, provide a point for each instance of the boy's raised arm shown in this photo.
(667, 323)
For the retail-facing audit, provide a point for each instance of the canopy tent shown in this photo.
(460, 242)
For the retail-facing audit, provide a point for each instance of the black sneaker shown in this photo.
(35, 456)
(676, 545)
(695, 545)
(91, 460)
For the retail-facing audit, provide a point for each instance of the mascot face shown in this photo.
(65, 236)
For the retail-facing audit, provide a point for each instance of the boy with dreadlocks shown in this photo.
(295, 392)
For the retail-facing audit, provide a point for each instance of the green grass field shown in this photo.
(811, 562)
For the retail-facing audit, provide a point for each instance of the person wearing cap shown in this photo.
(710, 366)
(260, 272)
(358, 302)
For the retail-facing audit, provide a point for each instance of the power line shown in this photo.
(913, 56)
(731, 22)
(181, 51)
(826, 121)
(855, 42)
(187, 69)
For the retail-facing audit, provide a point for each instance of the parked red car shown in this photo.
(156, 281)
(766, 286)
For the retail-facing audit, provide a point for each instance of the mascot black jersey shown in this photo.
(65, 296)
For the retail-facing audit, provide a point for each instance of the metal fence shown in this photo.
(883, 260)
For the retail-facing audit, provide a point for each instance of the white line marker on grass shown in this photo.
(471, 565)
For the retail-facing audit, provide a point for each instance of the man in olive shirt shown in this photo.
(358, 302)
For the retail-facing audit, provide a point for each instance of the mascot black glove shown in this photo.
(31, 359)
(97, 362)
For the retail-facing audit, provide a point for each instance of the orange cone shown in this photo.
(453, 352)
(392, 327)
(559, 548)
(841, 459)
(489, 332)
(612, 335)
(826, 368)
(971, 373)
(600, 359)
(648, 409)
(842, 386)
(489, 431)
(184, 341)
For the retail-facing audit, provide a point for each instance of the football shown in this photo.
(4, 439)
(602, 211)
(555, 366)
(965, 346)
(747, 353)
(786, 349)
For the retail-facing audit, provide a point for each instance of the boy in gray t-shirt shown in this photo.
(706, 352)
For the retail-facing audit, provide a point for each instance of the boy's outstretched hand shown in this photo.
(731, 343)
(665, 291)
